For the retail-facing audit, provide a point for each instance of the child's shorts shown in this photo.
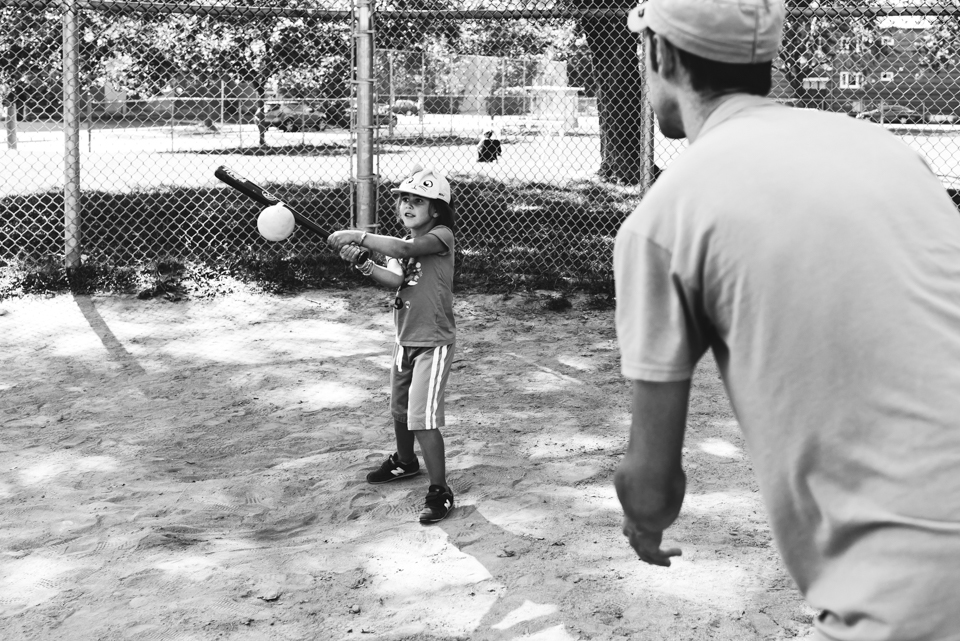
(418, 379)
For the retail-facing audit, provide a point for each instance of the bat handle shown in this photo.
(362, 257)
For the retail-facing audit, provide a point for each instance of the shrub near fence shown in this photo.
(152, 121)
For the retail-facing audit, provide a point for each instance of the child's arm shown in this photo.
(388, 245)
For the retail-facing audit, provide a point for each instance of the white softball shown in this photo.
(276, 222)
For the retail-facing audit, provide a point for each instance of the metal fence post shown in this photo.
(648, 128)
(366, 180)
(391, 90)
(423, 84)
(12, 125)
(503, 88)
(88, 118)
(71, 136)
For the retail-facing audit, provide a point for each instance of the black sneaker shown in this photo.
(438, 504)
(392, 469)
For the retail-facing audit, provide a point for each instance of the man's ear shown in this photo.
(665, 58)
(651, 44)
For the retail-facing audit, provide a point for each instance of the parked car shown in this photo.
(385, 118)
(406, 107)
(820, 104)
(942, 119)
(339, 115)
(893, 114)
(795, 104)
(296, 116)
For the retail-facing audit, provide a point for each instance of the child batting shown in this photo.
(420, 267)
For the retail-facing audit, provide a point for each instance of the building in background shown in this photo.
(893, 68)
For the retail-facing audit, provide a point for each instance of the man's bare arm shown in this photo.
(650, 481)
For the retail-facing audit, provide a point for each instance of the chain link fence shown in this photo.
(230, 411)
(116, 115)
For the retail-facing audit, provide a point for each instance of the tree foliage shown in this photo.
(30, 58)
(617, 83)
(812, 43)
(939, 49)
(151, 55)
(176, 53)
(517, 38)
(417, 33)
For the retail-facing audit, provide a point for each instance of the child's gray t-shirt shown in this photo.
(424, 308)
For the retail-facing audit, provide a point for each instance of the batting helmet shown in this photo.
(426, 183)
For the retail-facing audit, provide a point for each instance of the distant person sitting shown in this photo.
(488, 149)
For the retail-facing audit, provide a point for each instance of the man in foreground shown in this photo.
(819, 258)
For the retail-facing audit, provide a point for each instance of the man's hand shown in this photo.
(647, 544)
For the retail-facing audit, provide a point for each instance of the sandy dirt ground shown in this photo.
(194, 470)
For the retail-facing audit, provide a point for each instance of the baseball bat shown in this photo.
(260, 195)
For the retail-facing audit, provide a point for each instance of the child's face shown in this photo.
(415, 213)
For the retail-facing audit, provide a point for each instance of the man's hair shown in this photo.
(712, 78)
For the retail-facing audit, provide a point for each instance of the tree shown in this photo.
(415, 33)
(31, 60)
(514, 38)
(31, 57)
(579, 61)
(524, 51)
(305, 55)
(939, 49)
(414, 43)
(618, 83)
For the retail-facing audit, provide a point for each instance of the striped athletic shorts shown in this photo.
(418, 379)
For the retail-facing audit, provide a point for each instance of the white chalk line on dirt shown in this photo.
(419, 564)
(552, 376)
(527, 611)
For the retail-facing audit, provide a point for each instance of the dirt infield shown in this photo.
(194, 471)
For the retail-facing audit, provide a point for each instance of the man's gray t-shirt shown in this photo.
(819, 258)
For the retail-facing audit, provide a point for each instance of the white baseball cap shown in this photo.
(426, 183)
(732, 31)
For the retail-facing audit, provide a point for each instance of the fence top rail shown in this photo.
(225, 9)
(580, 12)
(188, 8)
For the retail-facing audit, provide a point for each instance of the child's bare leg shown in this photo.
(431, 446)
(405, 441)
